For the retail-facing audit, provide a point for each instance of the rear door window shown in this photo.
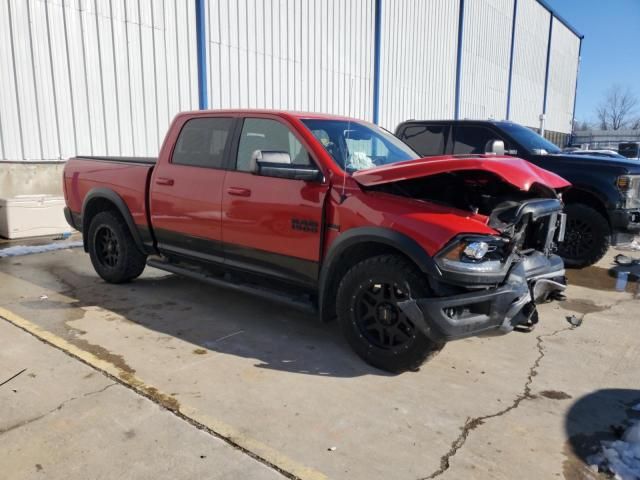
(426, 140)
(202, 142)
(468, 139)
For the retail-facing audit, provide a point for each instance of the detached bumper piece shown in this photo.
(535, 279)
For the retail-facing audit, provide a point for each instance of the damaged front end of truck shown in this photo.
(485, 283)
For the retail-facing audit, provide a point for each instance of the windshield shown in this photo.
(358, 146)
(529, 139)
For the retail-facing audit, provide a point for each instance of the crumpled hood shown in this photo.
(515, 171)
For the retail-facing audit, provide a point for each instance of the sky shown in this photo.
(610, 49)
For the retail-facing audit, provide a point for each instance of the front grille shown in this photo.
(534, 224)
(542, 233)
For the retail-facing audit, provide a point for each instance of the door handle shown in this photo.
(164, 181)
(239, 192)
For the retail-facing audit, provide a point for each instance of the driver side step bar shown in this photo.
(301, 303)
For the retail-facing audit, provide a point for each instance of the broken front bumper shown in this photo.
(535, 279)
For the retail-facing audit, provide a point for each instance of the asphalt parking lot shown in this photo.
(166, 377)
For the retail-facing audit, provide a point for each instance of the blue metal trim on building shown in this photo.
(546, 73)
(562, 20)
(513, 42)
(459, 60)
(201, 45)
(376, 60)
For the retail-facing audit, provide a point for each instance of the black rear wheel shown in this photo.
(371, 319)
(113, 252)
(587, 237)
(107, 247)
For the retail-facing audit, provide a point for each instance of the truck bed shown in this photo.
(126, 177)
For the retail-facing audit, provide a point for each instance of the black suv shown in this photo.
(602, 206)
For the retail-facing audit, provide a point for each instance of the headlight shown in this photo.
(629, 186)
(476, 250)
(474, 254)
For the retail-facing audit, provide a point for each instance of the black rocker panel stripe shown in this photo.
(283, 267)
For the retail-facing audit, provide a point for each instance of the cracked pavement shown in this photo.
(473, 423)
(281, 387)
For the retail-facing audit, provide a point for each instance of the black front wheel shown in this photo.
(113, 252)
(587, 237)
(372, 322)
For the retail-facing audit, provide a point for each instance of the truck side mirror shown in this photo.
(259, 157)
(270, 163)
(494, 147)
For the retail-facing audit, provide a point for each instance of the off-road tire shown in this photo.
(587, 237)
(355, 284)
(128, 262)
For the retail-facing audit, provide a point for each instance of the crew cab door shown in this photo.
(186, 189)
(271, 225)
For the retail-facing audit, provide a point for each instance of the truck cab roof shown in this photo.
(243, 112)
(464, 121)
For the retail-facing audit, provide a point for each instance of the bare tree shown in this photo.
(603, 115)
(580, 125)
(635, 124)
(616, 109)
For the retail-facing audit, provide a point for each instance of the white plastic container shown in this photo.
(32, 215)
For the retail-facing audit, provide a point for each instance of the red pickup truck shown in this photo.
(336, 215)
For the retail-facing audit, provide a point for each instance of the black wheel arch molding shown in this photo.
(116, 200)
(368, 235)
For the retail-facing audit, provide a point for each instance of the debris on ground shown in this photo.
(19, 250)
(12, 377)
(625, 260)
(574, 320)
(332, 449)
(620, 458)
(633, 246)
(44, 297)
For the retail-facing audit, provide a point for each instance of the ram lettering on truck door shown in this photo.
(186, 189)
(272, 224)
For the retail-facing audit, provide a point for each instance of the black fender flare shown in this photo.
(386, 236)
(603, 198)
(121, 206)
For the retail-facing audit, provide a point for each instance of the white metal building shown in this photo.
(105, 77)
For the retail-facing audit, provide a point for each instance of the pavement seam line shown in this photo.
(260, 452)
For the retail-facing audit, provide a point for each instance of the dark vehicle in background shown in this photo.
(630, 150)
(602, 205)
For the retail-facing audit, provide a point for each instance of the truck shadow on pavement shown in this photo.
(598, 416)
(212, 319)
